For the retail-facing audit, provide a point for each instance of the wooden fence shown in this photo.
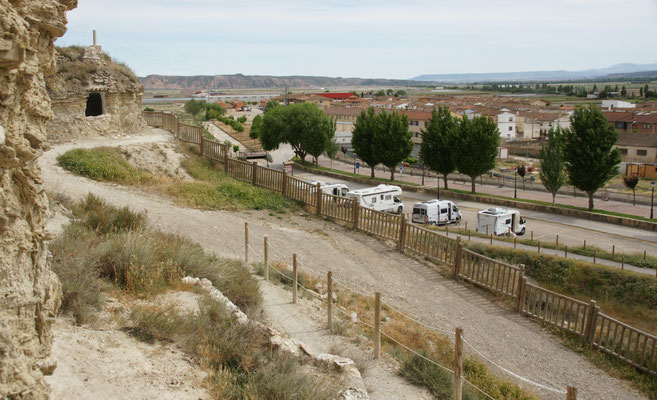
(613, 337)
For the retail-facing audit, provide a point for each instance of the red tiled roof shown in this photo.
(619, 116)
(335, 96)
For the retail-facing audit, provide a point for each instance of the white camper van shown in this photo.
(436, 212)
(336, 189)
(379, 198)
(500, 221)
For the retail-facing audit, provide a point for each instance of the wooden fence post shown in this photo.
(202, 145)
(622, 262)
(591, 316)
(458, 364)
(284, 185)
(402, 233)
(377, 325)
(319, 199)
(584, 244)
(266, 251)
(356, 211)
(557, 242)
(294, 278)
(565, 252)
(254, 173)
(594, 254)
(226, 158)
(539, 246)
(457, 259)
(329, 298)
(515, 242)
(246, 242)
(531, 239)
(571, 393)
(521, 281)
(613, 249)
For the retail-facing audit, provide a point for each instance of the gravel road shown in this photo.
(369, 265)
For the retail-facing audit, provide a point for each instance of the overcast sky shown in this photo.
(369, 39)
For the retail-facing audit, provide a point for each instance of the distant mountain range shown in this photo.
(239, 81)
(615, 71)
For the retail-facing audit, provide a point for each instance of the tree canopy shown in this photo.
(553, 172)
(392, 140)
(194, 106)
(303, 126)
(591, 160)
(256, 125)
(478, 140)
(438, 150)
(362, 138)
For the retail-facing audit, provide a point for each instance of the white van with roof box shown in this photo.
(379, 198)
(336, 189)
(436, 212)
(500, 221)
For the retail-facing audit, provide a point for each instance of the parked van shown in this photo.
(336, 189)
(500, 221)
(436, 212)
(379, 198)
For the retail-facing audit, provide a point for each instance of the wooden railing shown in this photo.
(241, 170)
(298, 189)
(494, 275)
(378, 223)
(556, 309)
(270, 179)
(213, 150)
(336, 207)
(429, 244)
(613, 337)
(625, 342)
(190, 133)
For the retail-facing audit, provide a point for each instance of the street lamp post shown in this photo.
(515, 183)
(652, 197)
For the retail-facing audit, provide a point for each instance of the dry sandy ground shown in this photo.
(369, 265)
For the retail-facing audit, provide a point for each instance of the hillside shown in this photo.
(239, 81)
(617, 70)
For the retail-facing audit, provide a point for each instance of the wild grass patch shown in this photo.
(102, 164)
(105, 246)
(236, 356)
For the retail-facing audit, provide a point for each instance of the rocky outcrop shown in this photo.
(85, 70)
(29, 290)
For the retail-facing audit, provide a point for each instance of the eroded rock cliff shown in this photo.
(29, 290)
(87, 71)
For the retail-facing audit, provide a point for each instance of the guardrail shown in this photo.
(613, 337)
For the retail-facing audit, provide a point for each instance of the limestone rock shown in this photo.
(29, 291)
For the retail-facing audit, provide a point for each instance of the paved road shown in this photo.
(545, 227)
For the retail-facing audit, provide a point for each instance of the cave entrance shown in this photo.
(95, 105)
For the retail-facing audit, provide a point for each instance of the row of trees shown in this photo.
(303, 126)
(382, 138)
(467, 145)
(583, 155)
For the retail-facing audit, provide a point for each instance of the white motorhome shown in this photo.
(436, 212)
(336, 189)
(500, 221)
(379, 198)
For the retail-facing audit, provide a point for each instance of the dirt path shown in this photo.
(369, 265)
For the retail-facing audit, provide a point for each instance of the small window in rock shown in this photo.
(94, 105)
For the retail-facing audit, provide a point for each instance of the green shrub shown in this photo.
(421, 372)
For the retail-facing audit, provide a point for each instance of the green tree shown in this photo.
(478, 140)
(631, 182)
(591, 160)
(362, 138)
(256, 124)
(623, 91)
(646, 91)
(380, 93)
(438, 149)
(553, 165)
(194, 106)
(303, 126)
(214, 111)
(271, 104)
(392, 140)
